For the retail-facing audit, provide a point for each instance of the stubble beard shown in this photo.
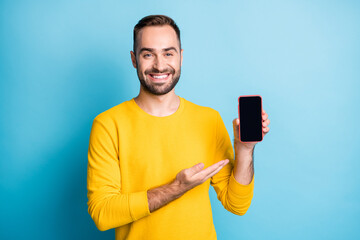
(159, 88)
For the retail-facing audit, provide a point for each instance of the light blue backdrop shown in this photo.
(64, 62)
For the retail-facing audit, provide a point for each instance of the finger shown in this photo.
(264, 116)
(266, 123)
(196, 168)
(216, 165)
(213, 173)
(236, 122)
(266, 129)
(211, 169)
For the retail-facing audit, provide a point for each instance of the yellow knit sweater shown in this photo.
(131, 151)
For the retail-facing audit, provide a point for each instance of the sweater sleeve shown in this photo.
(107, 205)
(235, 197)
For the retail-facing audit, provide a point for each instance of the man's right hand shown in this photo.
(191, 177)
(184, 181)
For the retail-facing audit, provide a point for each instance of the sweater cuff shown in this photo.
(139, 205)
(240, 189)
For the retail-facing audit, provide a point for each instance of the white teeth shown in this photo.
(159, 77)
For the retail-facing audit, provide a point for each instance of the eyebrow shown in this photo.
(153, 49)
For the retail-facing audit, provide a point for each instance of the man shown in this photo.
(153, 158)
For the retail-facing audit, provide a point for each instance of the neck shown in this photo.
(158, 105)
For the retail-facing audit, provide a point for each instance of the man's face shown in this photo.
(158, 59)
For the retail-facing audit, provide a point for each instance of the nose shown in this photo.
(159, 64)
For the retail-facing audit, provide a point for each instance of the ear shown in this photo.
(182, 50)
(133, 59)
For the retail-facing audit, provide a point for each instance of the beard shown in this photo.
(159, 88)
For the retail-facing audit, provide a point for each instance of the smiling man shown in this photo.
(153, 158)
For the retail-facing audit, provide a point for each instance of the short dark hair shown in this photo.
(155, 20)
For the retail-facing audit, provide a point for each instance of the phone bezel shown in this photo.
(262, 132)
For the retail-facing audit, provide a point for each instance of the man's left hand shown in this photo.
(250, 145)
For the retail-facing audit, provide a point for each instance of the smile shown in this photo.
(159, 77)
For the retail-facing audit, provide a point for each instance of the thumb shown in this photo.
(236, 123)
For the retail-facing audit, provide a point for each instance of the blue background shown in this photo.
(64, 62)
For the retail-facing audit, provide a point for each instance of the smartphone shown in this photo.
(250, 115)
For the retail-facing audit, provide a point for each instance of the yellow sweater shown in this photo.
(131, 151)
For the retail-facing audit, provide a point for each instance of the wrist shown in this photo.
(243, 147)
(244, 154)
(177, 188)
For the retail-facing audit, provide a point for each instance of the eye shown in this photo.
(168, 54)
(147, 55)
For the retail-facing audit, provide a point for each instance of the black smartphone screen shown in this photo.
(250, 118)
